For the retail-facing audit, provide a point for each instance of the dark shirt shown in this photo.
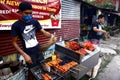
(27, 33)
(93, 34)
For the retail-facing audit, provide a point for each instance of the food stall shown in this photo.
(66, 63)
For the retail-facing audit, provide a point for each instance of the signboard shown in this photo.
(47, 12)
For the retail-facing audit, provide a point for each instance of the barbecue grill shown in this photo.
(37, 71)
(85, 62)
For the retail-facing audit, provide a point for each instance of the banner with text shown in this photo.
(47, 12)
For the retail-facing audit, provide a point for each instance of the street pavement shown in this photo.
(111, 71)
(110, 47)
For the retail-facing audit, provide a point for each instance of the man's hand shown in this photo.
(28, 59)
(104, 32)
(107, 35)
(53, 39)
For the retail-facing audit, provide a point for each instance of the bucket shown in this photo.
(19, 75)
(84, 38)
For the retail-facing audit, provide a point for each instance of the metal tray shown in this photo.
(70, 53)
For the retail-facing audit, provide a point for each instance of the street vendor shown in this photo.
(25, 29)
(94, 36)
(96, 31)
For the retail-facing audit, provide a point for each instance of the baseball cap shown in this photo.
(25, 6)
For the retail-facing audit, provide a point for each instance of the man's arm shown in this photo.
(46, 33)
(52, 40)
(45, 46)
(97, 30)
(26, 57)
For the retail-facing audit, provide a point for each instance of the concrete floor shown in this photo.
(111, 59)
(111, 71)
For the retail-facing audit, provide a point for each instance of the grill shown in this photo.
(85, 64)
(37, 71)
(67, 52)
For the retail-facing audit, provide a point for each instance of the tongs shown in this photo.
(73, 71)
(45, 67)
(78, 68)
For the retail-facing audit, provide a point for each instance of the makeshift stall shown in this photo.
(66, 63)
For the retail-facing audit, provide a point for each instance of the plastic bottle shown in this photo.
(61, 42)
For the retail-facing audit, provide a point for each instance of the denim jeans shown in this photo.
(95, 41)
